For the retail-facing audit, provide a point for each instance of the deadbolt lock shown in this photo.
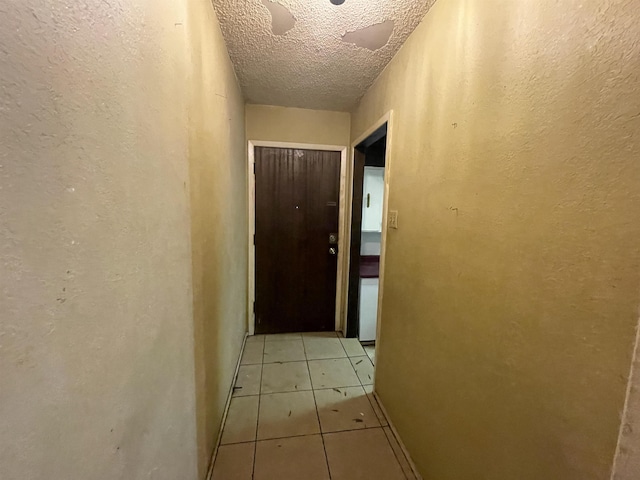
(333, 239)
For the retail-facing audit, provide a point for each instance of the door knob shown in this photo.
(333, 250)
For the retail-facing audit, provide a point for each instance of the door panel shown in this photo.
(297, 208)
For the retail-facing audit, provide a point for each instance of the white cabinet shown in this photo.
(372, 198)
(368, 309)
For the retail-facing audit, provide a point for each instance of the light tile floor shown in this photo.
(303, 408)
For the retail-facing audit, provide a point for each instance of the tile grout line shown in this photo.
(313, 390)
(255, 443)
(337, 358)
(218, 444)
(300, 390)
(307, 435)
(324, 447)
(396, 435)
(370, 400)
(295, 386)
(374, 412)
(394, 452)
(373, 407)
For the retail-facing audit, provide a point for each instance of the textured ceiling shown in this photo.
(310, 53)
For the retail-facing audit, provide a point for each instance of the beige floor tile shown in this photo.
(375, 405)
(333, 373)
(255, 339)
(299, 458)
(234, 462)
(395, 446)
(361, 455)
(248, 381)
(252, 354)
(364, 369)
(242, 420)
(278, 337)
(287, 415)
(319, 334)
(322, 347)
(346, 408)
(284, 351)
(371, 352)
(353, 347)
(285, 377)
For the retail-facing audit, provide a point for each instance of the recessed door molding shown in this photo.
(388, 119)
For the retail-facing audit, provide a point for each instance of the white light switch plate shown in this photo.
(393, 219)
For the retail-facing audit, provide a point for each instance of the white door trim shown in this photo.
(251, 196)
(388, 119)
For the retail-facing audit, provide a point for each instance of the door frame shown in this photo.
(251, 198)
(388, 119)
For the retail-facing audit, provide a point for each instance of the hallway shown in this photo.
(497, 264)
(303, 408)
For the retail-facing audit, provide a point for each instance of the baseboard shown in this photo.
(398, 439)
(226, 411)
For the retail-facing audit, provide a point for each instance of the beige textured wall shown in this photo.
(512, 287)
(217, 153)
(297, 125)
(98, 118)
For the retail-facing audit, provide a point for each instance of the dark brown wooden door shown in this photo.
(297, 195)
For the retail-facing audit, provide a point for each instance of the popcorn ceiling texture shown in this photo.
(310, 66)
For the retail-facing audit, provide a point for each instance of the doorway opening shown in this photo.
(367, 234)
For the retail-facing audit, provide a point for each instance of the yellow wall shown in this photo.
(105, 107)
(297, 125)
(512, 285)
(217, 154)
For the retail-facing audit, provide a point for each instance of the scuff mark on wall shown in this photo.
(372, 37)
(282, 20)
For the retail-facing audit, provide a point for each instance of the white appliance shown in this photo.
(372, 198)
(368, 309)
(372, 202)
